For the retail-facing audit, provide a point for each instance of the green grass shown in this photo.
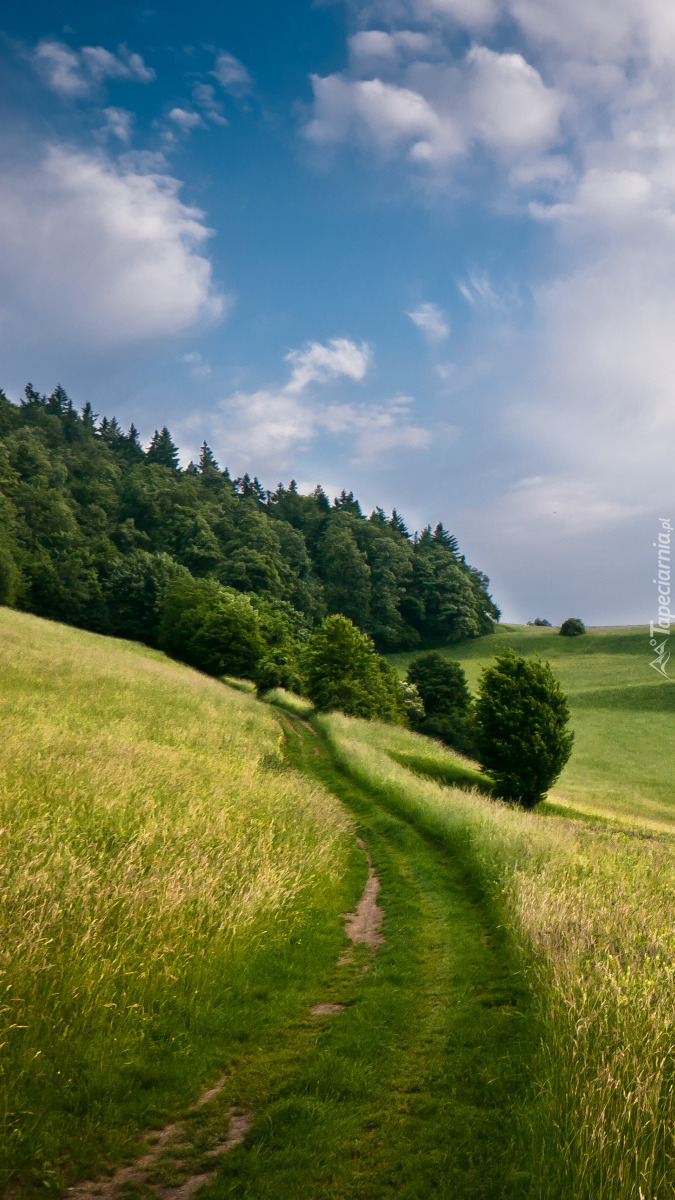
(289, 702)
(593, 912)
(163, 873)
(175, 856)
(622, 715)
(418, 1088)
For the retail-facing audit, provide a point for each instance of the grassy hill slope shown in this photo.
(163, 871)
(622, 715)
(592, 910)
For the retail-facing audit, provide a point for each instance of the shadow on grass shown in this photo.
(452, 772)
(656, 697)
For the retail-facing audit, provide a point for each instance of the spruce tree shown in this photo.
(162, 450)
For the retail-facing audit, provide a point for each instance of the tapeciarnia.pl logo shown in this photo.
(659, 630)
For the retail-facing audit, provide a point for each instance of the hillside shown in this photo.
(586, 912)
(622, 715)
(161, 875)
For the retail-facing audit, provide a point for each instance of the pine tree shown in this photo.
(162, 450)
(321, 499)
(207, 462)
(398, 525)
(89, 417)
(347, 503)
(443, 538)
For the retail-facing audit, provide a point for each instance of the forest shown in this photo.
(94, 529)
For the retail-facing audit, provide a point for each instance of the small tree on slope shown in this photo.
(520, 727)
(342, 671)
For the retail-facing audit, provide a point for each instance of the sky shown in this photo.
(420, 249)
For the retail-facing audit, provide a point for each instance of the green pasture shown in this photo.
(163, 873)
(622, 715)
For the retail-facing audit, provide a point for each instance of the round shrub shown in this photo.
(572, 627)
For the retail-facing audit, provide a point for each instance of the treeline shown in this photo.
(94, 529)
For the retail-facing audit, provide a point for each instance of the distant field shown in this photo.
(622, 714)
(163, 871)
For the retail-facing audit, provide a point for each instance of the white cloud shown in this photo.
(376, 48)
(198, 368)
(101, 64)
(95, 256)
(434, 111)
(272, 424)
(184, 119)
(511, 109)
(610, 30)
(317, 363)
(118, 123)
(232, 75)
(74, 73)
(432, 321)
(61, 68)
(383, 115)
(204, 97)
(377, 430)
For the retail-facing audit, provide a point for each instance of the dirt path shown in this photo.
(169, 1141)
(404, 1077)
(362, 927)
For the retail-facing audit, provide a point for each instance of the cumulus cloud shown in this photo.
(432, 321)
(375, 113)
(185, 119)
(232, 75)
(270, 425)
(511, 109)
(76, 73)
(432, 111)
(96, 256)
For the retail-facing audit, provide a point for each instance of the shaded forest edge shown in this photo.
(93, 529)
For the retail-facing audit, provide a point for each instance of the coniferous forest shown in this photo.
(94, 530)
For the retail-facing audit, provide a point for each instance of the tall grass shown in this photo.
(592, 912)
(158, 865)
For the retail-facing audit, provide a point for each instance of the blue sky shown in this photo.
(423, 249)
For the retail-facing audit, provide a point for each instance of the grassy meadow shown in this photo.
(174, 862)
(163, 873)
(591, 910)
(622, 715)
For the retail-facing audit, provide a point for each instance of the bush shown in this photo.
(343, 672)
(277, 670)
(572, 627)
(211, 627)
(520, 728)
(540, 621)
(445, 695)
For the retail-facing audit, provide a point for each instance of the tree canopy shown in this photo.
(94, 530)
(520, 727)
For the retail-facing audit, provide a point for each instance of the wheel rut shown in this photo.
(362, 927)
